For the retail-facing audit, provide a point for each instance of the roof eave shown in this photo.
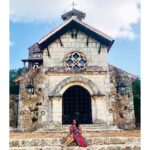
(74, 23)
(111, 45)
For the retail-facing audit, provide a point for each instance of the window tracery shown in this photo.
(76, 61)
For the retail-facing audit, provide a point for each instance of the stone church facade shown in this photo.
(68, 76)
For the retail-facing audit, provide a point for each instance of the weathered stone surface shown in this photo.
(58, 141)
(122, 143)
(13, 110)
(122, 105)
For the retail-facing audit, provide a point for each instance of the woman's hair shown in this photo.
(77, 123)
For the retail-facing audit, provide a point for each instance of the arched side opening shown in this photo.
(76, 103)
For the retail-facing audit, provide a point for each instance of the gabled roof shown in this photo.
(74, 23)
(34, 49)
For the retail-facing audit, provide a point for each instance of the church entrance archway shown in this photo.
(76, 104)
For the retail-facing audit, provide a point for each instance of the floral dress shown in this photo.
(77, 136)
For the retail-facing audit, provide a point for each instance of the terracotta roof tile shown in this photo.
(26, 74)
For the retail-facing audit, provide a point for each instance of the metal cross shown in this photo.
(73, 4)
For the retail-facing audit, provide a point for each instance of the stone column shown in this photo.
(57, 110)
(94, 109)
(101, 107)
(19, 121)
(44, 109)
(51, 110)
(109, 113)
(130, 123)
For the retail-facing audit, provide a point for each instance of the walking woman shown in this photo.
(75, 135)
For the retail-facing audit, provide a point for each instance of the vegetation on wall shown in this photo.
(136, 87)
(13, 74)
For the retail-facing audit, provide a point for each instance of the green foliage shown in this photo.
(136, 87)
(13, 74)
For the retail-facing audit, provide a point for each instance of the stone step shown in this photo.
(64, 128)
(91, 147)
(58, 141)
(86, 128)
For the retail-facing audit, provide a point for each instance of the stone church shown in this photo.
(68, 76)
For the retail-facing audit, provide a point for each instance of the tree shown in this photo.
(136, 87)
(13, 74)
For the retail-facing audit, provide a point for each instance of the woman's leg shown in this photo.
(69, 140)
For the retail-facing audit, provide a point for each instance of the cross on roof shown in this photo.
(73, 4)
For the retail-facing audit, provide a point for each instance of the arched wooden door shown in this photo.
(76, 104)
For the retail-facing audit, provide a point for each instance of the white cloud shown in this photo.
(114, 17)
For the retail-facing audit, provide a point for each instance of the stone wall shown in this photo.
(29, 111)
(13, 112)
(45, 105)
(58, 53)
(122, 102)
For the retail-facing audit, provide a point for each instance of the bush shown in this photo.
(136, 87)
(13, 74)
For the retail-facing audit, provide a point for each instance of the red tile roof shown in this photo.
(27, 74)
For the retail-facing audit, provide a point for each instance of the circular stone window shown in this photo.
(75, 61)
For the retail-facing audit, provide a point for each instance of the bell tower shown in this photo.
(74, 12)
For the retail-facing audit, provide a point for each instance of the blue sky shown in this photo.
(125, 53)
(27, 28)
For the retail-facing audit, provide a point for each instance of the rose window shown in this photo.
(75, 61)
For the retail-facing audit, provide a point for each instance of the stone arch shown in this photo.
(82, 81)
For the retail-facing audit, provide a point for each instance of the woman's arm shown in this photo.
(79, 129)
(71, 131)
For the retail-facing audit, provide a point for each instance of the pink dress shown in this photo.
(78, 136)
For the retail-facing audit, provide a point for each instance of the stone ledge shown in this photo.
(92, 147)
(58, 141)
(63, 69)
